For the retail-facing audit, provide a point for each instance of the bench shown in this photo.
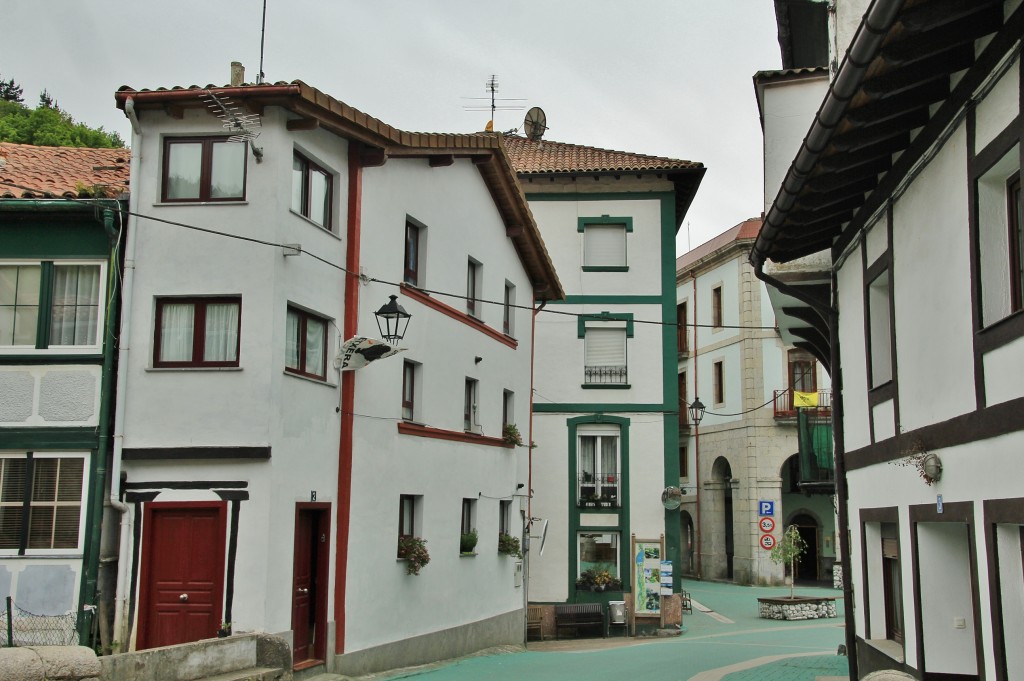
(575, 615)
(535, 621)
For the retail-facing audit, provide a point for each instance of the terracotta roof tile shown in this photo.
(28, 171)
(545, 156)
(746, 230)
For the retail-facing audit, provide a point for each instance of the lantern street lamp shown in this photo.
(696, 411)
(396, 320)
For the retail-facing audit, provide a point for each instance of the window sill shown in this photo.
(605, 268)
(179, 369)
(235, 202)
(887, 647)
(420, 296)
(89, 352)
(315, 224)
(472, 554)
(317, 381)
(410, 428)
(606, 386)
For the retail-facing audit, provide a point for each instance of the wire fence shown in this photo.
(23, 628)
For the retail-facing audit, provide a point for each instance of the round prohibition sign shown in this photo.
(767, 524)
(767, 541)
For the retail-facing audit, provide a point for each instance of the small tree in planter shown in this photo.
(786, 552)
(414, 551)
(509, 545)
(467, 541)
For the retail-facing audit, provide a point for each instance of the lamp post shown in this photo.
(395, 318)
(697, 410)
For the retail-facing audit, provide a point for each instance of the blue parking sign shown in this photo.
(766, 508)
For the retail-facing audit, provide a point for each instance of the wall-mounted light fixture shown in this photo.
(396, 320)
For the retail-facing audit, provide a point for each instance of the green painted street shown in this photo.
(724, 639)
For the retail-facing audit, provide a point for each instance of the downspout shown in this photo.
(120, 633)
(87, 597)
(350, 325)
(696, 427)
(831, 315)
(529, 468)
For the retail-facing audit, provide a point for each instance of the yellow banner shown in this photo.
(804, 399)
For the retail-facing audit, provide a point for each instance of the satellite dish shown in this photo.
(535, 123)
(672, 498)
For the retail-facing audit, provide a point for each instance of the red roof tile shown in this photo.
(28, 171)
(544, 156)
(746, 230)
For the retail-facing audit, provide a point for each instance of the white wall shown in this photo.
(948, 626)
(788, 109)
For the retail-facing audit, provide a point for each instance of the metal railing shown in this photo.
(23, 628)
(784, 407)
(605, 374)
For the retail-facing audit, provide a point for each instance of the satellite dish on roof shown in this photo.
(535, 123)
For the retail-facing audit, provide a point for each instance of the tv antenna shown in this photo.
(495, 102)
(242, 126)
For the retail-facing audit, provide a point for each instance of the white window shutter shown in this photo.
(604, 245)
(605, 347)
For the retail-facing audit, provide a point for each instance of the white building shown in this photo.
(238, 435)
(746, 450)
(907, 182)
(605, 409)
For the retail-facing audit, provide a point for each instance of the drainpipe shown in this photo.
(831, 315)
(120, 633)
(350, 325)
(90, 569)
(696, 427)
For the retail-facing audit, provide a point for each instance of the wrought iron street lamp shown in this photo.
(395, 320)
(696, 411)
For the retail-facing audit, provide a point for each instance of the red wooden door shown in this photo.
(302, 586)
(182, 572)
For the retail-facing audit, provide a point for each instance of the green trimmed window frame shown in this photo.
(603, 224)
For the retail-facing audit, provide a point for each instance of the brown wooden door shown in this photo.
(182, 572)
(302, 584)
(309, 582)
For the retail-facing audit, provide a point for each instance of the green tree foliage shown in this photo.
(11, 91)
(48, 125)
(787, 551)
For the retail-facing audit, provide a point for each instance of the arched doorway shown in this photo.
(721, 474)
(687, 539)
(810, 531)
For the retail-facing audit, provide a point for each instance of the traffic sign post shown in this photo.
(767, 524)
(767, 542)
(766, 508)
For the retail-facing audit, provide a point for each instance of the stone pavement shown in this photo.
(723, 640)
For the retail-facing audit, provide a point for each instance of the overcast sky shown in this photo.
(662, 77)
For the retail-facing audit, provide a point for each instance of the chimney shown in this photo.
(237, 73)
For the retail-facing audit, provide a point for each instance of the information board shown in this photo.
(647, 577)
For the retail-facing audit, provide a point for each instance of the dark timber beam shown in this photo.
(857, 138)
(302, 124)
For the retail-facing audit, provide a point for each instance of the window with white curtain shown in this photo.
(597, 467)
(306, 344)
(51, 305)
(197, 332)
(604, 246)
(41, 502)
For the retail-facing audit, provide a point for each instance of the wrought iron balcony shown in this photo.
(605, 374)
(600, 493)
(785, 408)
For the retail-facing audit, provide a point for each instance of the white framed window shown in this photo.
(598, 551)
(508, 313)
(410, 389)
(41, 502)
(470, 415)
(312, 191)
(306, 344)
(505, 516)
(1000, 239)
(474, 278)
(54, 306)
(598, 466)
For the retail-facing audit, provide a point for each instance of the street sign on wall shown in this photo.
(767, 542)
(766, 507)
(767, 524)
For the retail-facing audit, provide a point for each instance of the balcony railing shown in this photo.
(785, 409)
(602, 492)
(605, 374)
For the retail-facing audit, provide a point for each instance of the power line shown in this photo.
(366, 279)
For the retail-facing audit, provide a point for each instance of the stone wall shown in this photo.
(798, 609)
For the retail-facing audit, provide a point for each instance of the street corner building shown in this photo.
(605, 408)
(259, 486)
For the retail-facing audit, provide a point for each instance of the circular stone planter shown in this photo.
(797, 607)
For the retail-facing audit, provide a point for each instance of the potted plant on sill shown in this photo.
(598, 579)
(510, 434)
(467, 542)
(607, 501)
(509, 545)
(589, 500)
(413, 550)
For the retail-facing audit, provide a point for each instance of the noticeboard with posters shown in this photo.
(647, 559)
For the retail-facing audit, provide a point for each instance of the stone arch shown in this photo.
(687, 542)
(809, 526)
(720, 520)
